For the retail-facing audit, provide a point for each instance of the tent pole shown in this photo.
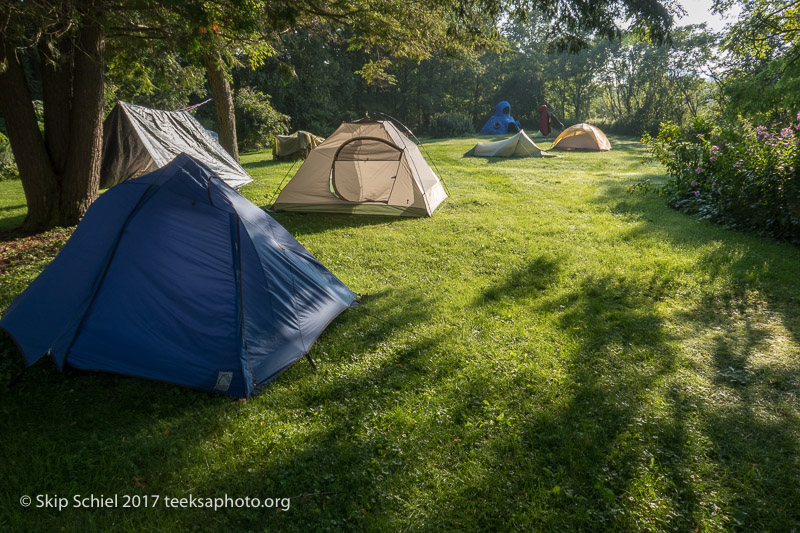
(278, 188)
(419, 143)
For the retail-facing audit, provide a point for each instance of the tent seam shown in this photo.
(241, 298)
(146, 196)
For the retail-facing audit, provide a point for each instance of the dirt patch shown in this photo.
(16, 247)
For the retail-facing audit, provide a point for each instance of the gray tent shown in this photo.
(138, 140)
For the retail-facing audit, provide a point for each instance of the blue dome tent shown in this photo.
(501, 122)
(175, 276)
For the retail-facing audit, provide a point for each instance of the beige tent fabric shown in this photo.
(582, 137)
(364, 167)
(519, 145)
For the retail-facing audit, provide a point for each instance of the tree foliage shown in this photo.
(762, 76)
(257, 122)
(632, 84)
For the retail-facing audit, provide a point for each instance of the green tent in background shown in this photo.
(294, 146)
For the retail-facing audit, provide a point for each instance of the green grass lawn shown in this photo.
(548, 352)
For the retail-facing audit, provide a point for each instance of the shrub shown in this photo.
(450, 125)
(8, 167)
(747, 180)
(257, 122)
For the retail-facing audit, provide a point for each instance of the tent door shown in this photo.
(365, 170)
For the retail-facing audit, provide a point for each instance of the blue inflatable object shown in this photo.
(175, 276)
(501, 121)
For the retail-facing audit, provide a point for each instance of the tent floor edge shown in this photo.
(360, 209)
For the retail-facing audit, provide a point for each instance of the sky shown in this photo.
(700, 11)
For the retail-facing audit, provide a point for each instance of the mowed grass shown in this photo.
(548, 353)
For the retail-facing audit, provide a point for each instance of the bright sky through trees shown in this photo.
(699, 11)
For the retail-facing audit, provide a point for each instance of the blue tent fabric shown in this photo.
(176, 277)
(501, 122)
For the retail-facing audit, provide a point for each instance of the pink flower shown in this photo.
(699, 170)
(693, 184)
(696, 194)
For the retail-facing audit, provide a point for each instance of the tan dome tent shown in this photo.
(519, 145)
(294, 146)
(583, 137)
(365, 167)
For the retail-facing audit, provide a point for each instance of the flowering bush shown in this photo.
(748, 180)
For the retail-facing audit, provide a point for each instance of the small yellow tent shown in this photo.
(583, 137)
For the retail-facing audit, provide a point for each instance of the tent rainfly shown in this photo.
(365, 167)
(138, 140)
(519, 145)
(176, 277)
(294, 146)
(582, 137)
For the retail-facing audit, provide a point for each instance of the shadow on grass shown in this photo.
(746, 261)
(629, 440)
(341, 475)
(605, 452)
(576, 446)
(496, 160)
(312, 223)
(11, 208)
(523, 282)
(747, 418)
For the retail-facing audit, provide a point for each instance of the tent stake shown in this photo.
(313, 366)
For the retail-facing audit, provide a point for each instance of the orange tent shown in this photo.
(582, 137)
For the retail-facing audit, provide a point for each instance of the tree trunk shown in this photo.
(223, 102)
(36, 172)
(60, 173)
(81, 179)
(56, 73)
